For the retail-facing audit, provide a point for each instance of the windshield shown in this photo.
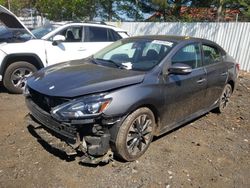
(42, 31)
(13, 34)
(134, 54)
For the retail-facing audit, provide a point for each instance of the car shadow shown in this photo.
(47, 147)
(2, 89)
(179, 127)
(63, 156)
(58, 153)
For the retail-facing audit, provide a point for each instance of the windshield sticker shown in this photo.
(127, 65)
(165, 43)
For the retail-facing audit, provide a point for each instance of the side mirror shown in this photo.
(179, 69)
(58, 39)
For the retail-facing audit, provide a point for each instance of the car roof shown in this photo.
(176, 39)
(172, 38)
(96, 24)
(65, 24)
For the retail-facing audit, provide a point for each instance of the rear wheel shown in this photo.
(224, 99)
(135, 134)
(15, 76)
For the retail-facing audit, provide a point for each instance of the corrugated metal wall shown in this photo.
(233, 37)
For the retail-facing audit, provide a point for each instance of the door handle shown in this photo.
(200, 81)
(81, 49)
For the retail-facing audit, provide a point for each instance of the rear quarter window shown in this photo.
(113, 36)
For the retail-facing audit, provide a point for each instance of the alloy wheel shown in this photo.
(139, 134)
(225, 97)
(18, 77)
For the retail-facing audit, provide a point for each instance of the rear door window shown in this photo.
(100, 34)
(211, 54)
(96, 34)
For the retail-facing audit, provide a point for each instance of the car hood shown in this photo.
(81, 77)
(11, 21)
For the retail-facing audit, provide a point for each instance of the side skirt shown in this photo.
(174, 125)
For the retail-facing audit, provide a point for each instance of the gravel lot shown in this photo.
(212, 151)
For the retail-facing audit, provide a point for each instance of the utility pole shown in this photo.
(219, 11)
(9, 4)
(237, 17)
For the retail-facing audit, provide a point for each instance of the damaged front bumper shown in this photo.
(88, 141)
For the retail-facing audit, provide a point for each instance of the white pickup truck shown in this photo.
(22, 53)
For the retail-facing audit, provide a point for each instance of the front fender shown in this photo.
(128, 99)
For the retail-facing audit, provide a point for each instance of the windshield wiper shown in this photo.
(118, 65)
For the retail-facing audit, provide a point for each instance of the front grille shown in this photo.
(68, 131)
(44, 101)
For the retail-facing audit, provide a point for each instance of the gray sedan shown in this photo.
(116, 101)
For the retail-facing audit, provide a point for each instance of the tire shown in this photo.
(135, 135)
(16, 74)
(224, 98)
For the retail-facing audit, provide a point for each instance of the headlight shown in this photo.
(80, 108)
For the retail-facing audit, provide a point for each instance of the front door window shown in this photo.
(189, 55)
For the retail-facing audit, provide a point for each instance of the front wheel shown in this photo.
(135, 134)
(224, 99)
(15, 76)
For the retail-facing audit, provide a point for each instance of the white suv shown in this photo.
(22, 53)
